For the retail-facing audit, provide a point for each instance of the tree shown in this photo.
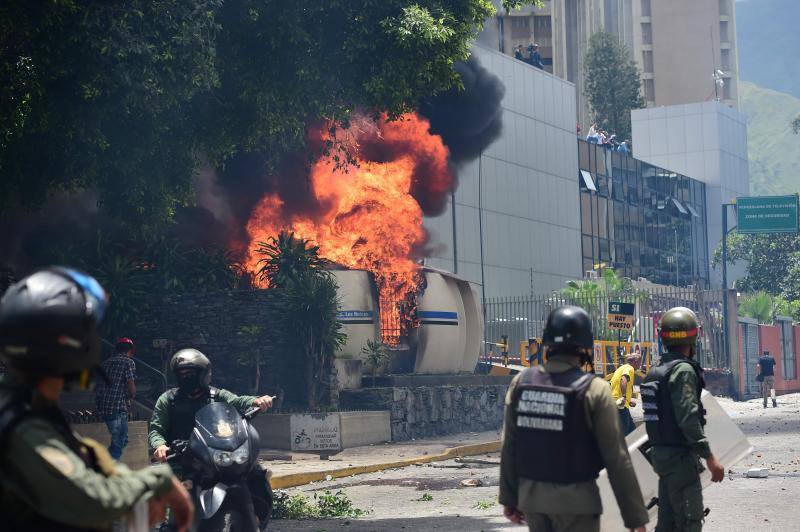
(612, 84)
(305, 312)
(126, 98)
(592, 295)
(375, 353)
(765, 307)
(773, 262)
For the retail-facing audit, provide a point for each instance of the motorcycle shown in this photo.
(229, 488)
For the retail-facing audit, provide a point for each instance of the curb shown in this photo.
(299, 479)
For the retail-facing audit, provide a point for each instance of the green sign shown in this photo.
(766, 214)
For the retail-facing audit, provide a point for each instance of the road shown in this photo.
(429, 497)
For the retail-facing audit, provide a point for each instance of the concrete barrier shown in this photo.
(355, 428)
(135, 454)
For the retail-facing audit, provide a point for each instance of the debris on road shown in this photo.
(757, 472)
(471, 483)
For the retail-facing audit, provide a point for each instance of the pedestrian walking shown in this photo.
(113, 396)
(674, 418)
(561, 429)
(51, 478)
(622, 391)
(766, 374)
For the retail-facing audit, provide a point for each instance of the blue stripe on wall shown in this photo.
(437, 315)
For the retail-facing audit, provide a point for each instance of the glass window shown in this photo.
(725, 57)
(723, 7)
(723, 31)
(587, 181)
(726, 89)
(646, 11)
(647, 33)
(650, 90)
(647, 61)
(583, 155)
(586, 212)
(787, 351)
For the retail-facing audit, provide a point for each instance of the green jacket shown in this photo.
(531, 496)
(41, 475)
(683, 385)
(159, 423)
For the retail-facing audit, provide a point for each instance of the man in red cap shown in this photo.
(113, 396)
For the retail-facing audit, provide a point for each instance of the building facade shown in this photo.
(641, 220)
(678, 45)
(707, 141)
(513, 224)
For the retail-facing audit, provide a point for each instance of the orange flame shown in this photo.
(372, 219)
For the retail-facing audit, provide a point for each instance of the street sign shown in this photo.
(621, 315)
(767, 214)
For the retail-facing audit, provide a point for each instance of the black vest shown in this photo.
(182, 410)
(15, 407)
(554, 443)
(659, 412)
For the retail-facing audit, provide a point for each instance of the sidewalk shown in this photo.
(304, 468)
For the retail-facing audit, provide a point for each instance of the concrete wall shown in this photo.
(429, 411)
(356, 429)
(706, 141)
(135, 454)
(519, 198)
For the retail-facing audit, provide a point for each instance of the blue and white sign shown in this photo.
(355, 316)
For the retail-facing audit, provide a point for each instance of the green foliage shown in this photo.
(305, 310)
(772, 148)
(612, 84)
(376, 354)
(336, 505)
(484, 505)
(773, 262)
(126, 98)
(426, 497)
(765, 307)
(324, 506)
(592, 296)
(131, 270)
(287, 259)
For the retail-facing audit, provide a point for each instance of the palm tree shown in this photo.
(376, 354)
(286, 259)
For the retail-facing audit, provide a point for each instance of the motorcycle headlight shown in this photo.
(241, 455)
(222, 458)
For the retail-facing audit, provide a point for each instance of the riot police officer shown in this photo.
(561, 429)
(674, 418)
(50, 478)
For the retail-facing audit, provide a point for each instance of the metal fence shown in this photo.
(522, 318)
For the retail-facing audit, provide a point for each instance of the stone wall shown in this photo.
(429, 411)
(230, 326)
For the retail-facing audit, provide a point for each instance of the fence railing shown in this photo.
(523, 318)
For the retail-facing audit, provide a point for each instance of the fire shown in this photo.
(372, 212)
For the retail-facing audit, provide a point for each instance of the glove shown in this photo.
(621, 402)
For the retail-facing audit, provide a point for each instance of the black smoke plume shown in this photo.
(468, 120)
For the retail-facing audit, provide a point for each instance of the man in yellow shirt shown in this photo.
(622, 390)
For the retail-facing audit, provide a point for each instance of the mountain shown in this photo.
(769, 43)
(773, 150)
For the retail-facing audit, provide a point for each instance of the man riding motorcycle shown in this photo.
(174, 413)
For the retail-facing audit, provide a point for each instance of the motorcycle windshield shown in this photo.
(221, 426)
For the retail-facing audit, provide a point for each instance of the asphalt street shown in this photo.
(430, 496)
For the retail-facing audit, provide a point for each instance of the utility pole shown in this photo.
(725, 326)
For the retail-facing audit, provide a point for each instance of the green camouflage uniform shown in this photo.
(46, 485)
(160, 421)
(680, 496)
(575, 507)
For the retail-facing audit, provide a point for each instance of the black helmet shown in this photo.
(48, 324)
(679, 326)
(191, 359)
(568, 328)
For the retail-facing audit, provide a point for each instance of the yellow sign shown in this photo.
(622, 322)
